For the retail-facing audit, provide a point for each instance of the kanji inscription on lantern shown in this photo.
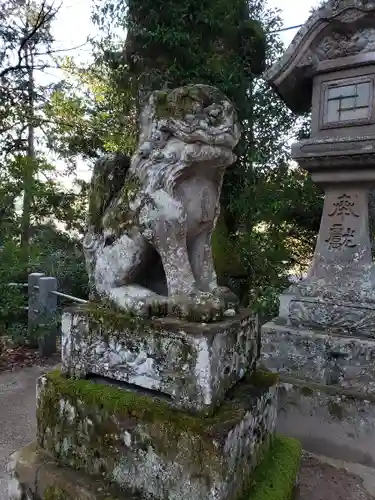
(340, 237)
(343, 206)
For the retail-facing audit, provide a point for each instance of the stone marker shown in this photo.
(158, 395)
(326, 322)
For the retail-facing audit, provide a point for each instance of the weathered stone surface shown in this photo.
(331, 58)
(148, 240)
(194, 364)
(347, 310)
(140, 443)
(327, 424)
(37, 476)
(343, 249)
(320, 357)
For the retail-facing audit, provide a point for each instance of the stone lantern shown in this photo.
(330, 69)
(326, 323)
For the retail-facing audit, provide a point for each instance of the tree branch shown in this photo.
(43, 18)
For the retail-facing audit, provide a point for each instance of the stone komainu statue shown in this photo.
(148, 239)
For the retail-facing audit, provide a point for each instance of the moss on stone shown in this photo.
(225, 254)
(89, 434)
(130, 404)
(108, 179)
(264, 379)
(275, 477)
(56, 493)
(112, 318)
(179, 102)
(119, 218)
(307, 391)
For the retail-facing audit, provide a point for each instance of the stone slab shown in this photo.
(37, 476)
(321, 357)
(331, 425)
(143, 445)
(193, 364)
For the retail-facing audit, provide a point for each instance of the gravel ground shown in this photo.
(320, 481)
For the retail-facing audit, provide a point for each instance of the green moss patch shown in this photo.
(114, 400)
(181, 101)
(56, 493)
(264, 379)
(275, 477)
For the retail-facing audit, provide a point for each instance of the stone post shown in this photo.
(33, 307)
(48, 320)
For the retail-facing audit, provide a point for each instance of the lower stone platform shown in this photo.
(340, 426)
(37, 476)
(326, 389)
(143, 445)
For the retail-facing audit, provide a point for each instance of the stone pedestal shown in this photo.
(140, 444)
(322, 343)
(159, 409)
(192, 364)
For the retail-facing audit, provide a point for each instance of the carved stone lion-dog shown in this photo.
(148, 239)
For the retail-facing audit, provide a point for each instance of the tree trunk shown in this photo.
(29, 166)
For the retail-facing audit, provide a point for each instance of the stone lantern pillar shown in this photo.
(323, 337)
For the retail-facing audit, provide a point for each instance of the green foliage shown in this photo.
(13, 299)
(275, 477)
(171, 44)
(87, 115)
(59, 255)
(52, 253)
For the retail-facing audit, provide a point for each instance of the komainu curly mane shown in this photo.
(148, 239)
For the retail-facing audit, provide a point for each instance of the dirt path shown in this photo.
(17, 416)
(321, 481)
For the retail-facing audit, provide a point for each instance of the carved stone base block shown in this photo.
(350, 312)
(319, 357)
(194, 365)
(142, 445)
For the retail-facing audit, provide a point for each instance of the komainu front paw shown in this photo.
(200, 307)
